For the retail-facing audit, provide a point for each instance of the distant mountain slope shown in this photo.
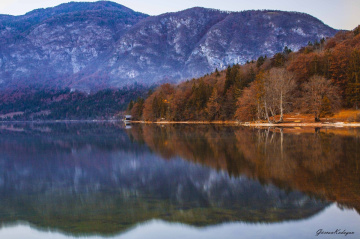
(91, 46)
(47, 46)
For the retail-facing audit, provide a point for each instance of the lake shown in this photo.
(105, 180)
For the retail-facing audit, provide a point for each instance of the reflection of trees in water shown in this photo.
(318, 162)
(280, 155)
(201, 144)
(94, 179)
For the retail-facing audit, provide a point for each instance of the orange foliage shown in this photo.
(336, 59)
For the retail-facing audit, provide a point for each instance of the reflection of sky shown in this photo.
(329, 220)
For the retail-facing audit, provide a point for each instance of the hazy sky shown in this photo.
(340, 14)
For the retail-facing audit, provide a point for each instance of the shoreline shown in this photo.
(229, 123)
(251, 124)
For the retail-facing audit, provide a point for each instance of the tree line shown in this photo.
(319, 79)
(52, 104)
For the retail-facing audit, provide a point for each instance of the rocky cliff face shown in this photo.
(90, 46)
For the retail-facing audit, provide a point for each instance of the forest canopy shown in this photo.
(319, 79)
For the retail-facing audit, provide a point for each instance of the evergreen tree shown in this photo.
(231, 77)
(213, 106)
(137, 109)
(353, 84)
(130, 106)
(287, 50)
(228, 106)
(260, 61)
(278, 60)
(217, 73)
(357, 31)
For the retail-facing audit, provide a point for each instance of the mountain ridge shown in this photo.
(92, 46)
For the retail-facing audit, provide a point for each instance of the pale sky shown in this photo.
(339, 14)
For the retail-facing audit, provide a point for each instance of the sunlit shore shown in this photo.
(254, 124)
(344, 118)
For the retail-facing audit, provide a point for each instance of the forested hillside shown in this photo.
(319, 79)
(37, 104)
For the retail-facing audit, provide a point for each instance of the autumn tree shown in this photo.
(339, 62)
(244, 76)
(148, 113)
(320, 94)
(280, 84)
(180, 110)
(353, 85)
(265, 89)
(196, 101)
(248, 106)
(278, 60)
(306, 65)
(326, 109)
(137, 109)
(272, 95)
(157, 105)
(213, 105)
(260, 96)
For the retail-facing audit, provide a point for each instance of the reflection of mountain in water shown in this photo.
(324, 163)
(92, 178)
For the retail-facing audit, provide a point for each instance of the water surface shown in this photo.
(100, 180)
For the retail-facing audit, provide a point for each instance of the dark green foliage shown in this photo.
(137, 110)
(251, 76)
(287, 50)
(231, 77)
(201, 94)
(278, 60)
(229, 104)
(213, 106)
(130, 106)
(64, 104)
(159, 106)
(244, 79)
(316, 44)
(217, 73)
(260, 61)
(357, 31)
(150, 92)
(353, 75)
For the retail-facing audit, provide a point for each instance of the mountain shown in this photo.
(47, 47)
(91, 46)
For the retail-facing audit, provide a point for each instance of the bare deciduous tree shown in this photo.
(280, 85)
(316, 90)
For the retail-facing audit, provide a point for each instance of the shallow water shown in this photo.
(98, 180)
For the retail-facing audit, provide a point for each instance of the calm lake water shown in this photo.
(102, 180)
